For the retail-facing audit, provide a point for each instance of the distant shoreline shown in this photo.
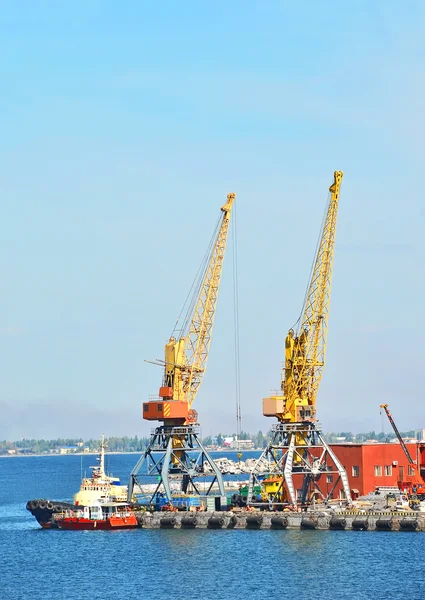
(66, 454)
(48, 454)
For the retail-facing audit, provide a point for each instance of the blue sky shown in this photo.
(124, 126)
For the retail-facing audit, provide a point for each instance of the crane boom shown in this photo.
(396, 431)
(412, 483)
(305, 349)
(198, 338)
(186, 355)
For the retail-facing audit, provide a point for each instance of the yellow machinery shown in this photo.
(297, 445)
(186, 356)
(175, 447)
(305, 348)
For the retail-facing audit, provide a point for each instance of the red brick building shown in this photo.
(374, 465)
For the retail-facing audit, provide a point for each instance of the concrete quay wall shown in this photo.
(379, 521)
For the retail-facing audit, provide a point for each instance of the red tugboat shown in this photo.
(99, 488)
(107, 516)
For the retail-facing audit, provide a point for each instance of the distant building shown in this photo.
(244, 444)
(234, 443)
(421, 435)
(68, 449)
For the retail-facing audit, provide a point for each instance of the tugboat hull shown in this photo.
(75, 523)
(47, 511)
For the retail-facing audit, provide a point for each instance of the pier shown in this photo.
(368, 521)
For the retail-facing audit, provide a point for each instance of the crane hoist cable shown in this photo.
(193, 293)
(236, 323)
(313, 262)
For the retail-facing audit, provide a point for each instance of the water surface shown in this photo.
(199, 564)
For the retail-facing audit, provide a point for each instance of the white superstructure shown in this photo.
(100, 487)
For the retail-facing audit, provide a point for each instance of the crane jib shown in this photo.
(186, 356)
(305, 348)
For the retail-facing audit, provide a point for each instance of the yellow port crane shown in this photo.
(305, 349)
(175, 447)
(186, 356)
(304, 449)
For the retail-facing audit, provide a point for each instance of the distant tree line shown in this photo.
(114, 444)
(260, 439)
(363, 437)
(139, 444)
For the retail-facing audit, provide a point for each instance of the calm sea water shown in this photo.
(200, 564)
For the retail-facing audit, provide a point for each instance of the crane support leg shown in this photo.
(133, 476)
(166, 468)
(287, 471)
(342, 472)
(175, 466)
(217, 472)
(298, 457)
